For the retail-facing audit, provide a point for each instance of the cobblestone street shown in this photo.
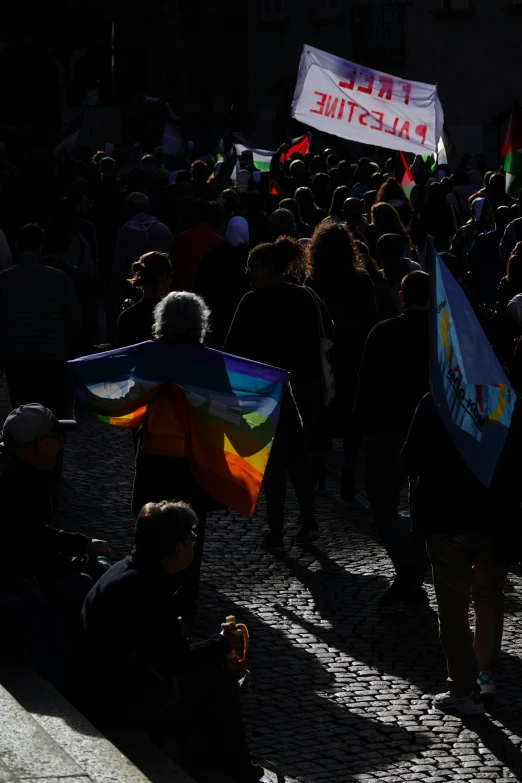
(340, 690)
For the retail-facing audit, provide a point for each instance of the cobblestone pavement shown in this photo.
(340, 691)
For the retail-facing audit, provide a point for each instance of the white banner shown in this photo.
(358, 103)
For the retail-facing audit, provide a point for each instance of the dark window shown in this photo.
(378, 34)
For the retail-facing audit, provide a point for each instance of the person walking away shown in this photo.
(386, 220)
(190, 247)
(141, 234)
(485, 267)
(340, 279)
(304, 231)
(395, 264)
(152, 276)
(39, 316)
(222, 280)
(396, 357)
(440, 218)
(384, 299)
(277, 323)
(42, 569)
(472, 534)
(310, 212)
(463, 240)
(507, 328)
(137, 652)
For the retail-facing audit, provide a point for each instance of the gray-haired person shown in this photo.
(141, 234)
(162, 472)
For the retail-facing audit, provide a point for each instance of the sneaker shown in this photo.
(307, 535)
(273, 542)
(487, 684)
(471, 704)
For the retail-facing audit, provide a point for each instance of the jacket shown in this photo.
(394, 374)
(39, 311)
(30, 545)
(132, 632)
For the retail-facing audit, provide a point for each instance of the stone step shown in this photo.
(68, 740)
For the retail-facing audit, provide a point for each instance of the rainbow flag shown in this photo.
(229, 408)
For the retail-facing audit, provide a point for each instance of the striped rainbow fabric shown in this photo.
(229, 408)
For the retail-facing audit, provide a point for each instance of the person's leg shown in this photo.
(488, 582)
(274, 483)
(352, 448)
(210, 697)
(452, 560)
(300, 472)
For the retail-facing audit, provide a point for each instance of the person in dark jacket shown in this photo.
(507, 329)
(39, 313)
(277, 324)
(299, 176)
(137, 652)
(472, 534)
(340, 279)
(152, 275)
(393, 378)
(42, 586)
(221, 280)
(485, 267)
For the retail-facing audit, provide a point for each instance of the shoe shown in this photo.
(487, 684)
(307, 535)
(273, 542)
(415, 596)
(471, 704)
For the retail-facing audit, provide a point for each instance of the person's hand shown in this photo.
(234, 639)
(97, 547)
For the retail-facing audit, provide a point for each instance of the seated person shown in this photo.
(135, 649)
(42, 587)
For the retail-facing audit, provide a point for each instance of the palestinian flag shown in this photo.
(262, 158)
(301, 145)
(512, 152)
(403, 174)
(446, 153)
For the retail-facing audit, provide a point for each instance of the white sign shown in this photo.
(358, 103)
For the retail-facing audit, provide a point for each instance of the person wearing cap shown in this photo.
(42, 587)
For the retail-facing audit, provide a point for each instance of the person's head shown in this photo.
(108, 167)
(237, 233)
(376, 181)
(514, 268)
(185, 175)
(30, 240)
(369, 199)
(333, 256)
(322, 190)
(136, 203)
(200, 171)
(364, 171)
(152, 273)
(165, 535)
(201, 212)
(415, 291)
(148, 162)
(391, 191)
(269, 262)
(297, 170)
(292, 206)
(181, 315)
(332, 161)
(503, 217)
(35, 435)
(388, 220)
(282, 223)
(436, 197)
(340, 195)
(390, 247)
(447, 185)
(305, 200)
(345, 172)
(418, 198)
(246, 158)
(318, 165)
(353, 209)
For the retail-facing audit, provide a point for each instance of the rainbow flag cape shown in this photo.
(229, 407)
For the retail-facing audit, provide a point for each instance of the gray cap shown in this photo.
(29, 422)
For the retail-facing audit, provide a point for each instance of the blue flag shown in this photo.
(471, 392)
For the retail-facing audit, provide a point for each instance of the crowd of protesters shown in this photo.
(270, 266)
